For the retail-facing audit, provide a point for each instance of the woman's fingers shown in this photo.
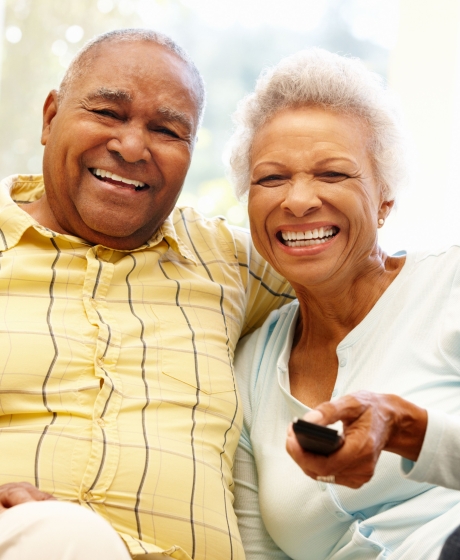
(366, 429)
(347, 409)
(372, 422)
(316, 417)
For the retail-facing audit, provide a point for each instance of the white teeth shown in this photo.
(305, 242)
(115, 177)
(310, 237)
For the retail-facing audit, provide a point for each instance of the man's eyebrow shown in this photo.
(173, 115)
(109, 95)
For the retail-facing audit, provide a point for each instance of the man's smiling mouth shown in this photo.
(119, 181)
(308, 237)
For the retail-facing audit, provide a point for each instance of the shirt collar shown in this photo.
(28, 188)
(14, 221)
(168, 232)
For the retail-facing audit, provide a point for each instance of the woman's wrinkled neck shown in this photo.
(332, 309)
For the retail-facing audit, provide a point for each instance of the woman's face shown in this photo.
(314, 202)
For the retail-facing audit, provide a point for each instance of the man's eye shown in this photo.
(167, 132)
(106, 113)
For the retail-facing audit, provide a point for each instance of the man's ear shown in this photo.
(50, 108)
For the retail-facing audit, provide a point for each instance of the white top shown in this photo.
(409, 344)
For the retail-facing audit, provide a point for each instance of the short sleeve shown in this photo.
(265, 289)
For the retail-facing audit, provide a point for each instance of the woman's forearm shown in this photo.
(372, 422)
(408, 429)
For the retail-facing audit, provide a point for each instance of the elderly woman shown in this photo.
(374, 337)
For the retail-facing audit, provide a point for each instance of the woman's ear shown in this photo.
(385, 208)
(50, 109)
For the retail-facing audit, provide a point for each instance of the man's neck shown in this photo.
(40, 211)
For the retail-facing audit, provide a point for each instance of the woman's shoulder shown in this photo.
(438, 268)
(438, 256)
(257, 355)
(274, 328)
(267, 339)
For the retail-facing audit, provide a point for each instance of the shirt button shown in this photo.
(323, 486)
(343, 362)
(100, 362)
(93, 302)
(101, 422)
(339, 514)
(376, 547)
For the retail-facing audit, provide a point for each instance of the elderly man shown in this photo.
(119, 316)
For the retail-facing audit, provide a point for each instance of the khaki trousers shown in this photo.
(57, 530)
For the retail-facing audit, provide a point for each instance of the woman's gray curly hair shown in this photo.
(316, 77)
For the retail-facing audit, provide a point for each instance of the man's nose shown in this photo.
(302, 198)
(131, 143)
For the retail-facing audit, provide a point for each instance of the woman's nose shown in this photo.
(301, 198)
(131, 143)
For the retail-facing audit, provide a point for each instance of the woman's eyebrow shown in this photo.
(335, 159)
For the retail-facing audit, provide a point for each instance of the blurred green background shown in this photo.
(231, 42)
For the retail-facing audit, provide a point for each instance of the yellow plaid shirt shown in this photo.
(116, 382)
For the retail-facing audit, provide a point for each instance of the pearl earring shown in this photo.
(381, 222)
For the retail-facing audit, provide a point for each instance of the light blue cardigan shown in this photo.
(409, 344)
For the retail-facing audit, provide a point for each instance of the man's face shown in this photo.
(118, 145)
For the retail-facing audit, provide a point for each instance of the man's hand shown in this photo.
(15, 493)
(372, 423)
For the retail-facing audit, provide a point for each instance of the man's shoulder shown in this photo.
(193, 228)
(188, 214)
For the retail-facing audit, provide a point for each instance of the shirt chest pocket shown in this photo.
(195, 347)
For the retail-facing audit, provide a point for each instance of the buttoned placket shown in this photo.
(104, 454)
(343, 371)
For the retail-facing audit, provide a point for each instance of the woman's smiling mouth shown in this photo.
(119, 181)
(308, 237)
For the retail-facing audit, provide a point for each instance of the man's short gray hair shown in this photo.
(86, 55)
(316, 77)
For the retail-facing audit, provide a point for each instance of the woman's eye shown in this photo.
(271, 181)
(333, 176)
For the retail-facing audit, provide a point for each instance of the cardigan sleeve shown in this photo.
(257, 543)
(439, 459)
